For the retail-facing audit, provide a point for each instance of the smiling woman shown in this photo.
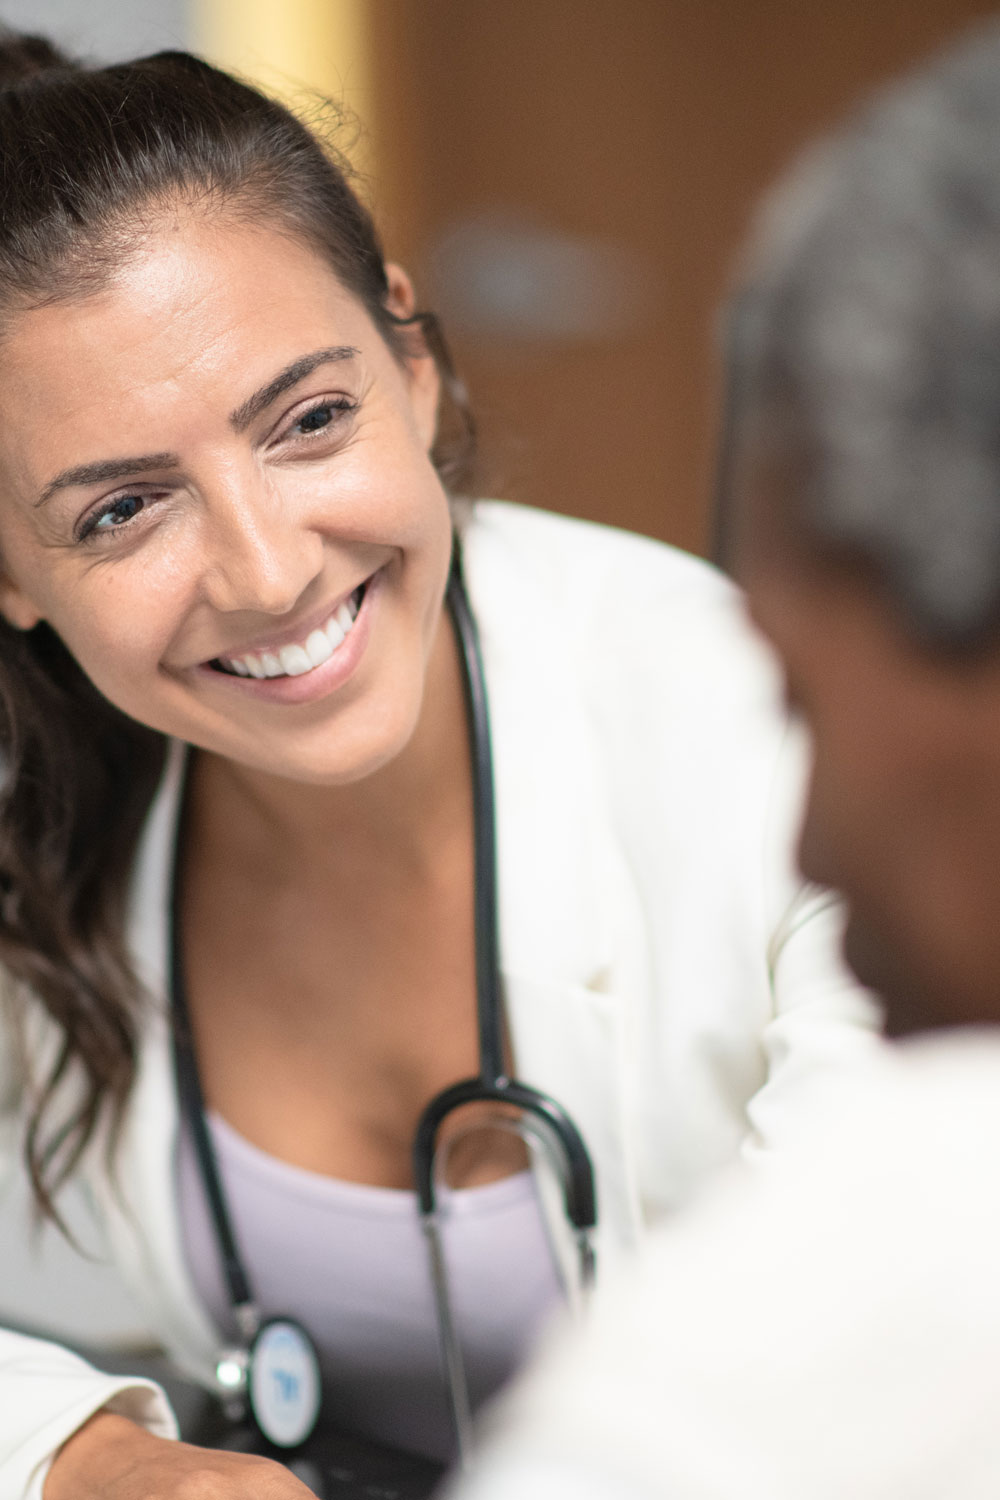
(266, 685)
(216, 549)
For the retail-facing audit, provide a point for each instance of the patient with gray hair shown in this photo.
(831, 1326)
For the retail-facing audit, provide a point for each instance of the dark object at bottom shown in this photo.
(337, 1465)
(334, 1465)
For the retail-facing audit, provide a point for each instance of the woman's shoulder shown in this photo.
(582, 558)
(638, 617)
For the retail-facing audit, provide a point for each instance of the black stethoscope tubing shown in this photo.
(492, 1084)
(548, 1124)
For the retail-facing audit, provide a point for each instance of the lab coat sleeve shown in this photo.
(824, 1027)
(751, 1008)
(46, 1392)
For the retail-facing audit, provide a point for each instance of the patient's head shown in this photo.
(865, 463)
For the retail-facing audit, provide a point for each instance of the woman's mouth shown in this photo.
(299, 657)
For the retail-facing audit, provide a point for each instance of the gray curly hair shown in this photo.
(867, 333)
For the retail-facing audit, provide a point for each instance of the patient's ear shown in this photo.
(15, 606)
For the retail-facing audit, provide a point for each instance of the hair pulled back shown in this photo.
(866, 341)
(87, 156)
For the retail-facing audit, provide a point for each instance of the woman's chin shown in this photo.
(330, 756)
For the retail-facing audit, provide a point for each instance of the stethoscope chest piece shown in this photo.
(283, 1387)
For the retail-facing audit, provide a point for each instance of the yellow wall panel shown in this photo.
(297, 49)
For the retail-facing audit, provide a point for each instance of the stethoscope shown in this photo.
(274, 1373)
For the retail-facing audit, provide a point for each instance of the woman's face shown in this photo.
(215, 487)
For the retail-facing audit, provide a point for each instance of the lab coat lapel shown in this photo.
(142, 1217)
(567, 909)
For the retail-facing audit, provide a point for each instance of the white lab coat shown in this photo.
(823, 1329)
(655, 982)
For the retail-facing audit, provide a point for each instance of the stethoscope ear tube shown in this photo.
(192, 1103)
(493, 1085)
(547, 1122)
(577, 1174)
(274, 1373)
(489, 999)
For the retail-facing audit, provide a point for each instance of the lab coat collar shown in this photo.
(551, 823)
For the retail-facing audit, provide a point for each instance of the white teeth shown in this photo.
(296, 660)
(319, 648)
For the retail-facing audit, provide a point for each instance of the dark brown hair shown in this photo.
(85, 154)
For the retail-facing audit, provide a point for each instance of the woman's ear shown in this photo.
(15, 606)
(401, 299)
(421, 367)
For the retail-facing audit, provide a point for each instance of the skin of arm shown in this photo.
(115, 1459)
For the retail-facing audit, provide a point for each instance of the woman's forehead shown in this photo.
(187, 300)
(187, 331)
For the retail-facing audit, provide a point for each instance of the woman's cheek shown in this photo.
(118, 641)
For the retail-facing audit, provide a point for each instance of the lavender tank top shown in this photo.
(349, 1262)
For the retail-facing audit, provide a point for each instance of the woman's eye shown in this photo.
(118, 513)
(320, 417)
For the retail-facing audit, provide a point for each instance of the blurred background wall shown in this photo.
(568, 181)
(104, 30)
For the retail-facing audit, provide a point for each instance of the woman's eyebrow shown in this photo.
(105, 469)
(291, 375)
(120, 468)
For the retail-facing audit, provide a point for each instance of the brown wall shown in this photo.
(651, 123)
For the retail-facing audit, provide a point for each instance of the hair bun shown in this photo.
(23, 56)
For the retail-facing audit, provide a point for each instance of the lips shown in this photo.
(297, 658)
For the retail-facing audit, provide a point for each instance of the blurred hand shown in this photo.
(111, 1458)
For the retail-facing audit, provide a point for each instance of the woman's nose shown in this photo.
(260, 555)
